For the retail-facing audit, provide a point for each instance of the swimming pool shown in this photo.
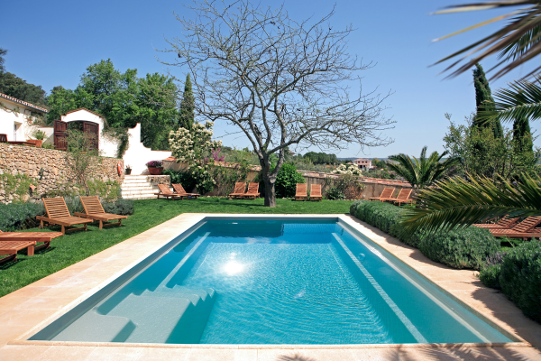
(271, 281)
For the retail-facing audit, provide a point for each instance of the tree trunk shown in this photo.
(270, 193)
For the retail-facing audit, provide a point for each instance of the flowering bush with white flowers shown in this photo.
(195, 147)
(350, 169)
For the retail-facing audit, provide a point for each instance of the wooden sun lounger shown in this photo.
(252, 192)
(525, 229)
(11, 247)
(94, 211)
(315, 192)
(58, 213)
(238, 192)
(301, 193)
(386, 194)
(179, 189)
(36, 237)
(403, 197)
(166, 192)
(504, 223)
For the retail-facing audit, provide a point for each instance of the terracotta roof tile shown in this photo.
(22, 102)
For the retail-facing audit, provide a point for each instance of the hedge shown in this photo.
(463, 248)
(520, 278)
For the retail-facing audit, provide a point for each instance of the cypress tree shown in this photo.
(522, 137)
(484, 100)
(187, 106)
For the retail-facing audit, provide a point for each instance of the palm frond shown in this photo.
(457, 202)
(516, 43)
(521, 99)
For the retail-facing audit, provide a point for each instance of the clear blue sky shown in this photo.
(52, 43)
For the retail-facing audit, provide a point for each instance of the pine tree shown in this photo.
(522, 137)
(483, 99)
(187, 106)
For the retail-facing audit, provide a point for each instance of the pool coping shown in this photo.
(29, 309)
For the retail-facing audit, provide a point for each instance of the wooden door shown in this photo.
(92, 130)
(60, 128)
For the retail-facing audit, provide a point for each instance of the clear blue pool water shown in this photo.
(273, 281)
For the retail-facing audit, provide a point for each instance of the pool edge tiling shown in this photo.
(25, 311)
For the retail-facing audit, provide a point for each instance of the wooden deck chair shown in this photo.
(238, 192)
(179, 189)
(252, 192)
(386, 194)
(11, 248)
(315, 192)
(301, 193)
(95, 212)
(525, 229)
(165, 192)
(58, 213)
(403, 196)
(504, 223)
(36, 237)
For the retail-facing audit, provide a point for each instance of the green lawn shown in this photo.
(76, 246)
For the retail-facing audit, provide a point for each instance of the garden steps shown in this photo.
(138, 187)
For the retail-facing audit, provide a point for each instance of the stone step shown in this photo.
(137, 189)
(139, 197)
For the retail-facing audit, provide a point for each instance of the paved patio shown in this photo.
(24, 312)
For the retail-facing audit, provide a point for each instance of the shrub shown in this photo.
(490, 270)
(185, 178)
(462, 248)
(123, 207)
(286, 181)
(520, 278)
(335, 193)
(18, 216)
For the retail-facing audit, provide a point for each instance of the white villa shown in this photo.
(17, 118)
(364, 164)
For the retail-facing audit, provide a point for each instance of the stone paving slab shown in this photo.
(25, 311)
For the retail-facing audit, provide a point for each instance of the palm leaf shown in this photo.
(521, 99)
(457, 202)
(516, 43)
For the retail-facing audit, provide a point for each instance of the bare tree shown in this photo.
(281, 82)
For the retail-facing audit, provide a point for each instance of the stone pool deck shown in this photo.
(25, 311)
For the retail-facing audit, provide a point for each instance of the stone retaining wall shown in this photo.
(49, 169)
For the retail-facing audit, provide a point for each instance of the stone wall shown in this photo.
(49, 169)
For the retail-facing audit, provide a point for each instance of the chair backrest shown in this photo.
(253, 188)
(56, 207)
(164, 189)
(387, 192)
(92, 205)
(507, 222)
(179, 188)
(527, 225)
(301, 188)
(315, 190)
(240, 187)
(404, 194)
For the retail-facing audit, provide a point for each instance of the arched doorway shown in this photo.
(89, 128)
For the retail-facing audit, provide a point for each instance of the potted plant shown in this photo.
(40, 136)
(128, 169)
(155, 167)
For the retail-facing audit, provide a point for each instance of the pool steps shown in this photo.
(166, 315)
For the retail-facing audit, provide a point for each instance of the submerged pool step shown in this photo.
(177, 315)
(93, 327)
